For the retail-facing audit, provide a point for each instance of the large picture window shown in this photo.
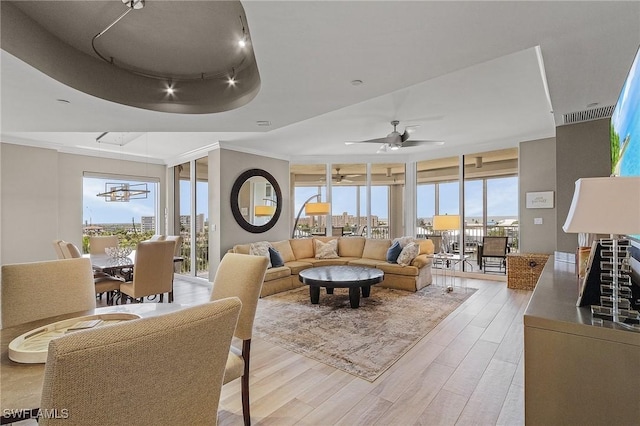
(127, 207)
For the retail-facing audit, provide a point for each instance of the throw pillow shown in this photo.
(393, 252)
(404, 240)
(261, 248)
(328, 250)
(276, 258)
(409, 252)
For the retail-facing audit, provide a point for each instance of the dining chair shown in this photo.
(156, 237)
(177, 265)
(152, 271)
(241, 275)
(98, 244)
(104, 283)
(31, 291)
(58, 249)
(161, 370)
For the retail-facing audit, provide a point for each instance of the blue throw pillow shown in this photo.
(276, 258)
(393, 252)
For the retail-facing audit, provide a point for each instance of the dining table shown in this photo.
(120, 265)
(21, 383)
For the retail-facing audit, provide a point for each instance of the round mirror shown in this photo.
(256, 201)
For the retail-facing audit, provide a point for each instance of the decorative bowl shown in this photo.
(117, 252)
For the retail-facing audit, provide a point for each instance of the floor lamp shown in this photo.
(445, 223)
(609, 205)
(311, 209)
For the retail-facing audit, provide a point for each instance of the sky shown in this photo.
(502, 199)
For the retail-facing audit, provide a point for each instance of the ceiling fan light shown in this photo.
(395, 147)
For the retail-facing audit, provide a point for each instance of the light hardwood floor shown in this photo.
(467, 371)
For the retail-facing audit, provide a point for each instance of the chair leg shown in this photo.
(246, 352)
(161, 297)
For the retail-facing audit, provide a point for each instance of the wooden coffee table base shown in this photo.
(354, 294)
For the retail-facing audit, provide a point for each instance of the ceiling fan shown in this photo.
(396, 140)
(338, 178)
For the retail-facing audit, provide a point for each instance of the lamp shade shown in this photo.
(446, 222)
(607, 205)
(317, 209)
(264, 210)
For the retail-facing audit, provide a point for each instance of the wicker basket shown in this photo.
(524, 269)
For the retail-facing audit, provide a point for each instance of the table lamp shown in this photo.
(607, 205)
(311, 209)
(445, 223)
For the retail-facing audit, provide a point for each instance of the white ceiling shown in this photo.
(473, 74)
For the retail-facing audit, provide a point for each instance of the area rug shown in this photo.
(364, 342)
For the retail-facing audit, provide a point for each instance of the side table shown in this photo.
(449, 263)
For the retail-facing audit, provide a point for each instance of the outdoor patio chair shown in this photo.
(493, 254)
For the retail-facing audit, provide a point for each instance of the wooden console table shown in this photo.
(576, 372)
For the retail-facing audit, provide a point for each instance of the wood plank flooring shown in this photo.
(467, 371)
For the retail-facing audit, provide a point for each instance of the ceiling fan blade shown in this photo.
(422, 142)
(378, 140)
(404, 136)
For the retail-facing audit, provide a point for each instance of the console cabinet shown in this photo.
(576, 372)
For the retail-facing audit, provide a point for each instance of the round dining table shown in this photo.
(21, 384)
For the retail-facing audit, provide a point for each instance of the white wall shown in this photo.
(224, 167)
(42, 198)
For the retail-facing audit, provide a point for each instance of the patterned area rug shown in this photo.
(364, 342)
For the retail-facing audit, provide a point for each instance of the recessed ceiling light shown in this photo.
(63, 101)
(356, 82)
(263, 123)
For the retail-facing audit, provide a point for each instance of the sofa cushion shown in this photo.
(351, 246)
(261, 248)
(302, 247)
(277, 272)
(241, 248)
(371, 263)
(328, 250)
(409, 252)
(422, 260)
(327, 262)
(376, 249)
(393, 252)
(296, 266)
(403, 240)
(426, 246)
(285, 250)
(395, 269)
(276, 258)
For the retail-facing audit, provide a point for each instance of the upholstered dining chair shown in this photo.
(32, 291)
(156, 237)
(58, 249)
(104, 283)
(152, 271)
(241, 275)
(97, 244)
(163, 370)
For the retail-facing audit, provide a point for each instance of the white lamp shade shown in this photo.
(446, 222)
(608, 205)
(317, 209)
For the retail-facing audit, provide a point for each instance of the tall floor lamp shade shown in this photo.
(446, 223)
(311, 209)
(607, 205)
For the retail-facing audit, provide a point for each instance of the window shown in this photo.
(127, 207)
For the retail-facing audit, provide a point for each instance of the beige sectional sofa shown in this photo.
(299, 254)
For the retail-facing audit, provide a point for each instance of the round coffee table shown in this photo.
(352, 277)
